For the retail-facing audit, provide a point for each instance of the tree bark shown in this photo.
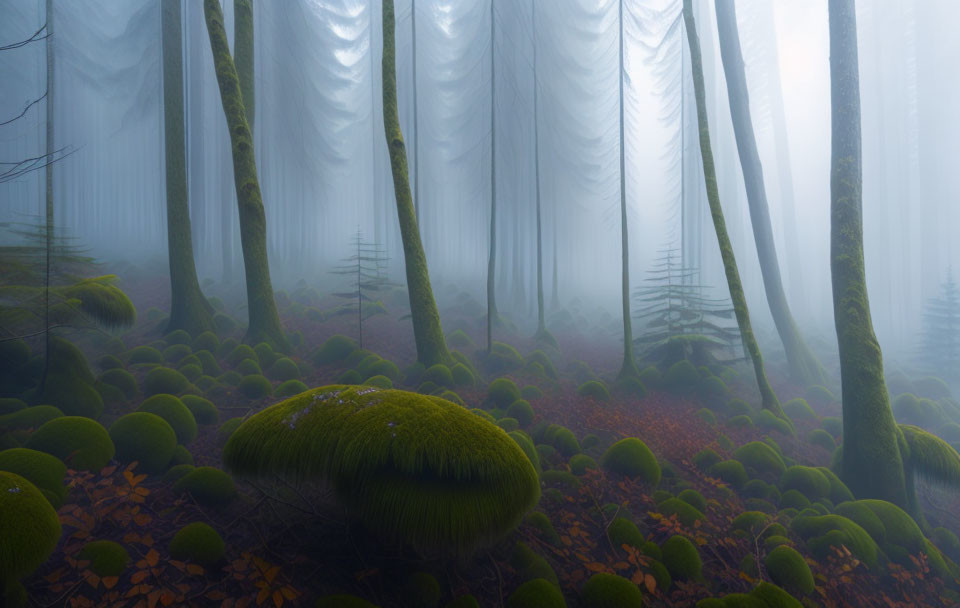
(629, 367)
(804, 366)
(492, 314)
(243, 51)
(431, 346)
(543, 334)
(189, 309)
(262, 308)
(768, 398)
(872, 464)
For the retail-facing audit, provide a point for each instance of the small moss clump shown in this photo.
(604, 590)
(541, 523)
(255, 386)
(198, 543)
(537, 593)
(807, 480)
(81, 443)
(123, 380)
(379, 382)
(525, 443)
(686, 513)
(240, 353)
(177, 415)
(209, 486)
(248, 367)
(421, 590)
(145, 438)
(681, 377)
(144, 354)
(290, 388)
(759, 458)
(693, 498)
(822, 532)
(799, 409)
(522, 411)
(440, 375)
(789, 570)
(730, 471)
(502, 392)
(595, 390)
(205, 341)
(767, 420)
(462, 376)
(580, 463)
(564, 440)
(632, 457)
(29, 528)
(508, 424)
(181, 455)
(106, 558)
(164, 380)
(622, 531)
(204, 411)
(706, 458)
(681, 558)
(823, 439)
(334, 350)
(284, 369)
(227, 429)
(531, 392)
(176, 352)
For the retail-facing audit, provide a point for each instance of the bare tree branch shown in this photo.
(25, 110)
(35, 38)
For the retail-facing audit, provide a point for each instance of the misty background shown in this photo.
(324, 169)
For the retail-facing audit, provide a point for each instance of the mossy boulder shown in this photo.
(531, 392)
(681, 377)
(686, 513)
(825, 531)
(531, 566)
(581, 463)
(204, 411)
(144, 354)
(163, 380)
(823, 439)
(798, 409)
(248, 367)
(209, 486)
(730, 471)
(121, 379)
(69, 382)
(537, 593)
(622, 531)
(227, 429)
(81, 443)
(563, 440)
(630, 386)
(789, 570)
(454, 480)
(255, 386)
(462, 376)
(839, 492)
(768, 421)
(198, 543)
(681, 558)
(440, 375)
(106, 557)
(29, 528)
(294, 387)
(209, 363)
(508, 424)
(334, 350)
(181, 455)
(594, 389)
(206, 341)
(693, 498)
(502, 392)
(526, 444)
(43, 470)
(9, 405)
(604, 590)
(239, 353)
(632, 457)
(522, 411)
(29, 418)
(809, 481)
(706, 458)
(760, 459)
(146, 438)
(176, 352)
(177, 415)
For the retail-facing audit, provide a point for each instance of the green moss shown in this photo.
(706, 458)
(632, 457)
(106, 558)
(772, 596)
(820, 396)
(380, 367)
(693, 498)
(123, 380)
(823, 439)
(29, 418)
(502, 392)
(459, 339)
(589, 441)
(203, 411)
(651, 377)
(595, 390)
(295, 387)
(789, 570)
(522, 411)
(622, 531)
(224, 323)
(9, 405)
(563, 479)
(799, 409)
(227, 429)
(825, 531)
(248, 367)
(43, 470)
(707, 416)
(181, 455)
(255, 386)
(537, 593)
(464, 601)
(508, 424)
(178, 336)
(146, 438)
(144, 354)
(832, 425)
(177, 415)
(164, 380)
(208, 363)
(565, 441)
(682, 376)
(462, 376)
(29, 528)
(284, 369)
(792, 499)
(538, 356)
(545, 531)
(712, 390)
(530, 566)
(209, 486)
(765, 419)
(206, 341)
(523, 440)
(191, 372)
(451, 397)
(199, 543)
(177, 471)
(630, 386)
(421, 590)
(265, 354)
(580, 463)
(240, 353)
(81, 443)
(807, 480)
(446, 470)
(730, 471)
(681, 558)
(686, 514)
(838, 490)
(176, 352)
(751, 523)
(231, 378)
(740, 422)
(439, 374)
(605, 590)
(931, 387)
(759, 458)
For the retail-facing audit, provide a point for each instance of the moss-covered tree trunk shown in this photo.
(768, 398)
(189, 309)
(872, 465)
(243, 52)
(492, 314)
(628, 368)
(262, 308)
(804, 366)
(431, 346)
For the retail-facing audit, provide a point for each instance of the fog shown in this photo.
(325, 172)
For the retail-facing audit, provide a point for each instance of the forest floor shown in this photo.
(289, 545)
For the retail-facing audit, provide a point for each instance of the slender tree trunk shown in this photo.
(543, 334)
(555, 285)
(629, 367)
(189, 309)
(48, 203)
(262, 308)
(872, 464)
(492, 315)
(768, 398)
(416, 113)
(804, 366)
(243, 50)
(431, 346)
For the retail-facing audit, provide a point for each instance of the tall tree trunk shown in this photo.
(48, 202)
(768, 398)
(543, 335)
(804, 366)
(492, 315)
(431, 346)
(872, 465)
(243, 51)
(261, 306)
(416, 113)
(189, 309)
(629, 367)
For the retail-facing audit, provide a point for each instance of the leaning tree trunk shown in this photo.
(243, 50)
(628, 368)
(768, 397)
(431, 347)
(189, 309)
(872, 465)
(262, 308)
(804, 366)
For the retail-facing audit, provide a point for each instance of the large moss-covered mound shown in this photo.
(106, 558)
(632, 457)
(81, 443)
(177, 415)
(29, 528)
(39, 468)
(146, 438)
(198, 542)
(413, 467)
(69, 382)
